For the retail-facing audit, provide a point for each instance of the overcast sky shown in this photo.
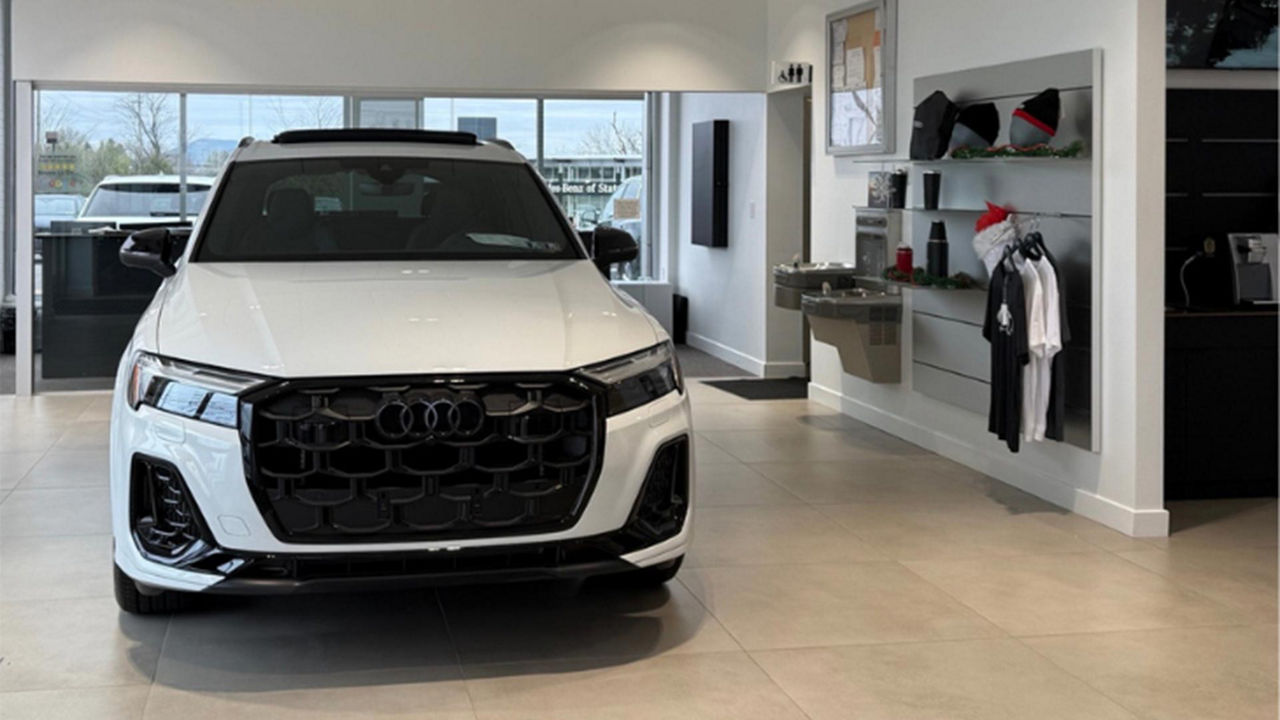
(231, 117)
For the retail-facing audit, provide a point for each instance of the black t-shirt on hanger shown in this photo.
(1005, 327)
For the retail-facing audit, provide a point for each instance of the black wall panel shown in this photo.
(710, 201)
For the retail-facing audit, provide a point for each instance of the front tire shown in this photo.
(133, 601)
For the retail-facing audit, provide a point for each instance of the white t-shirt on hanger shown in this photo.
(1042, 365)
(1036, 339)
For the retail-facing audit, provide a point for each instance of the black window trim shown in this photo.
(576, 249)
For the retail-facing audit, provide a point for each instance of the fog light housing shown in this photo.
(166, 524)
(660, 511)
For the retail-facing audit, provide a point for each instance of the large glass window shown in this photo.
(101, 159)
(118, 159)
(386, 113)
(593, 160)
(512, 119)
(86, 136)
(216, 123)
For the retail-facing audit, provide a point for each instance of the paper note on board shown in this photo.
(877, 72)
(855, 69)
(837, 76)
(839, 31)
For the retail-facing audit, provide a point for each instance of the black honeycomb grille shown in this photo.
(422, 460)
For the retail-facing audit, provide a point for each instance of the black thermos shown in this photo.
(898, 189)
(938, 249)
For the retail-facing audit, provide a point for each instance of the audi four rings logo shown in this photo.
(439, 418)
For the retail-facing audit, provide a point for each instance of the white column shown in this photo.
(23, 174)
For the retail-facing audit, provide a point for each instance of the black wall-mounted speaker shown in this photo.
(710, 201)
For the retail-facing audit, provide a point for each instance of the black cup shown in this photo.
(898, 190)
(932, 186)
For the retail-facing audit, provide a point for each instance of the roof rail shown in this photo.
(445, 137)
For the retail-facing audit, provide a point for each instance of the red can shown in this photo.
(905, 265)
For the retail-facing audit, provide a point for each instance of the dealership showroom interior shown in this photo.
(564, 360)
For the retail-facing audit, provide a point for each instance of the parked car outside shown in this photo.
(55, 206)
(128, 201)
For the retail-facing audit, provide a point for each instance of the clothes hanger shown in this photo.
(1028, 246)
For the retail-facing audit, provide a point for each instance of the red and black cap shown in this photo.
(1042, 111)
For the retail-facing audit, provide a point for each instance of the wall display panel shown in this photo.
(1054, 196)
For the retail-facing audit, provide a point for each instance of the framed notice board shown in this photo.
(860, 64)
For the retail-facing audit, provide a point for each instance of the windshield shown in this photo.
(143, 199)
(383, 208)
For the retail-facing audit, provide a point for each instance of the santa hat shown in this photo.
(994, 231)
(976, 127)
(1036, 120)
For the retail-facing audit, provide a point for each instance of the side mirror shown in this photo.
(152, 249)
(611, 246)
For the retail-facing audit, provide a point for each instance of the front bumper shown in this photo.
(247, 557)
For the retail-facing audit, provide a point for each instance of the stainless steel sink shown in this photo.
(792, 281)
(864, 324)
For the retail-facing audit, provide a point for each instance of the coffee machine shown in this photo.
(1255, 267)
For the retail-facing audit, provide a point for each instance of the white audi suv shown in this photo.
(384, 358)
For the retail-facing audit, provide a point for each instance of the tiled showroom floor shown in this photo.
(837, 573)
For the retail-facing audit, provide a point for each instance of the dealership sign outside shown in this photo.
(57, 173)
(561, 187)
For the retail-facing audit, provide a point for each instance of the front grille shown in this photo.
(421, 459)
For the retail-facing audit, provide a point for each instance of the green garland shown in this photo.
(920, 276)
(1075, 149)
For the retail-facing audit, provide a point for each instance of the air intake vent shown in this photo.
(165, 521)
(660, 511)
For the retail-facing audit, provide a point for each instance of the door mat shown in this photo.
(765, 389)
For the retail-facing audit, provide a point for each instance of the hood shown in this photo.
(316, 319)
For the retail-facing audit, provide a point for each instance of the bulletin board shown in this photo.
(860, 64)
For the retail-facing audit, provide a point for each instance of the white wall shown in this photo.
(529, 45)
(1123, 484)
(726, 299)
(784, 224)
(730, 290)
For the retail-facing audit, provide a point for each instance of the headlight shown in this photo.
(636, 379)
(188, 390)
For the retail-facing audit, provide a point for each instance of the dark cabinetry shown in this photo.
(1220, 390)
(1221, 178)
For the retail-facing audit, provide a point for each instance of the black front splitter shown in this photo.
(234, 585)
